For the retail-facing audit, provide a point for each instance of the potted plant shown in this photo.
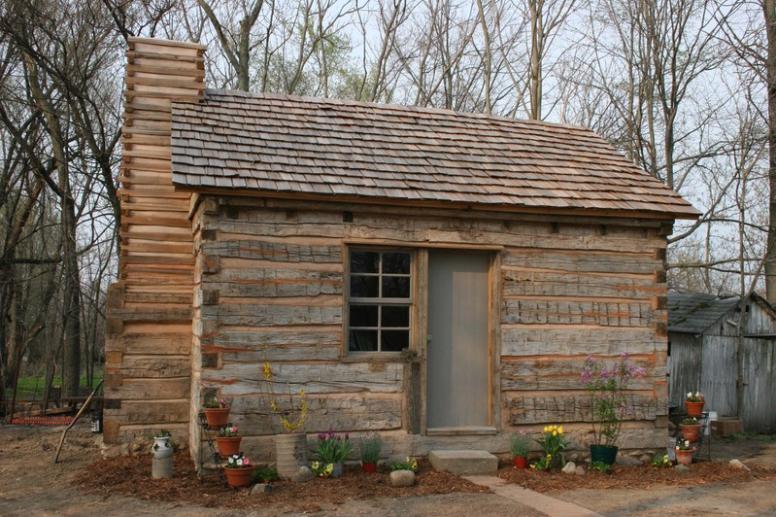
(609, 404)
(691, 429)
(228, 441)
(553, 443)
(216, 412)
(519, 449)
(332, 449)
(238, 470)
(684, 452)
(694, 403)
(291, 443)
(370, 454)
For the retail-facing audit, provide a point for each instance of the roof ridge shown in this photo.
(397, 106)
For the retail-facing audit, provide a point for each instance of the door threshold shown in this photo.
(460, 431)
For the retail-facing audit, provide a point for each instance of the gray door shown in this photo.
(458, 359)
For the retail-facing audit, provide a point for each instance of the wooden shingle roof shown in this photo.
(323, 147)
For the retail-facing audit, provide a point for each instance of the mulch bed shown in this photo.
(642, 476)
(131, 476)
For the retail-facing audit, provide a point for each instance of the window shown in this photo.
(379, 301)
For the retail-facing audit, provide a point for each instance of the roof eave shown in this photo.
(691, 214)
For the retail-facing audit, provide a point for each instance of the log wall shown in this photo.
(148, 348)
(271, 287)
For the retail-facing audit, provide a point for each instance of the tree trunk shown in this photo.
(769, 7)
(71, 371)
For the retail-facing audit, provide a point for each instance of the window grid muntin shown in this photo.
(379, 301)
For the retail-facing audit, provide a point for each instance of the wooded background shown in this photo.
(684, 88)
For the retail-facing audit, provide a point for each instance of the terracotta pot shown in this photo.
(238, 477)
(369, 468)
(684, 457)
(228, 445)
(691, 433)
(694, 408)
(520, 462)
(217, 417)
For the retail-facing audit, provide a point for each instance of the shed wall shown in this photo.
(272, 288)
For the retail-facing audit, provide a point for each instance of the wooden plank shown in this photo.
(591, 262)
(266, 282)
(355, 412)
(274, 251)
(527, 340)
(155, 366)
(314, 378)
(153, 389)
(580, 313)
(160, 412)
(259, 315)
(563, 373)
(157, 343)
(271, 337)
(545, 409)
(523, 283)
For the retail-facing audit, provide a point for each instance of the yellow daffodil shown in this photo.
(560, 429)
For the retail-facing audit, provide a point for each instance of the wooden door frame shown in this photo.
(494, 336)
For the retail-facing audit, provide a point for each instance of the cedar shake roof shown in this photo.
(289, 145)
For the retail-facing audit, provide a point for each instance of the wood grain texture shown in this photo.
(153, 321)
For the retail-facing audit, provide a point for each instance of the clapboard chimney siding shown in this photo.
(148, 348)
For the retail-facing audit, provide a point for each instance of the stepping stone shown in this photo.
(464, 462)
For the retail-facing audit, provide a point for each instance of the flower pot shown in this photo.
(337, 471)
(684, 457)
(694, 408)
(290, 453)
(691, 433)
(228, 445)
(606, 454)
(217, 417)
(162, 447)
(369, 468)
(238, 477)
(520, 462)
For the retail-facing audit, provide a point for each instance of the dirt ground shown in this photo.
(30, 484)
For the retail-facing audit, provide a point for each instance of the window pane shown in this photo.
(394, 340)
(363, 341)
(396, 287)
(364, 262)
(363, 315)
(364, 286)
(395, 316)
(396, 263)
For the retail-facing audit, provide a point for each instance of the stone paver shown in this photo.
(464, 462)
(540, 502)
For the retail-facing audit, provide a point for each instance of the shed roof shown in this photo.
(361, 151)
(693, 313)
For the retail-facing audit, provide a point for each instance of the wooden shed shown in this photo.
(714, 342)
(433, 276)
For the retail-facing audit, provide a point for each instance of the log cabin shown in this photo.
(435, 277)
